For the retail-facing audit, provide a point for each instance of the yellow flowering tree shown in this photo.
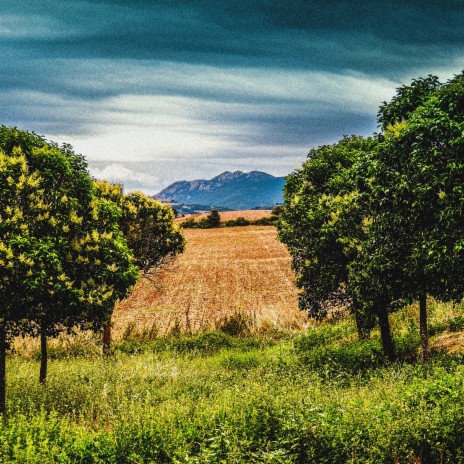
(150, 231)
(80, 262)
(18, 200)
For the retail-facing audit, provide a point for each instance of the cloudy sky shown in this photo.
(156, 91)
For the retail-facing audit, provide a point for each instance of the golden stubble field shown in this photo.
(223, 272)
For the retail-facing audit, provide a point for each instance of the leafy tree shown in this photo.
(324, 222)
(18, 200)
(418, 173)
(80, 260)
(213, 219)
(150, 231)
(406, 100)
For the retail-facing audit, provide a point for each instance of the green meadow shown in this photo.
(322, 397)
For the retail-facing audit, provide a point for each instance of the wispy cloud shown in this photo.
(192, 87)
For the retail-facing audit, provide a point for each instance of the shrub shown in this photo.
(235, 324)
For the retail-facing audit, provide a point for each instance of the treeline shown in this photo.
(213, 220)
(374, 224)
(70, 246)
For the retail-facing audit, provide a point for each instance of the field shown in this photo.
(249, 214)
(238, 272)
(215, 364)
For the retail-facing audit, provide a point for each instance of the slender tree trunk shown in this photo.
(107, 339)
(2, 370)
(364, 332)
(385, 333)
(43, 354)
(424, 333)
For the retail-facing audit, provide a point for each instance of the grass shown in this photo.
(320, 397)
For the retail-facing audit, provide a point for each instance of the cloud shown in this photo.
(119, 174)
(191, 87)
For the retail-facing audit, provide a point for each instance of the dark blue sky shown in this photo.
(156, 91)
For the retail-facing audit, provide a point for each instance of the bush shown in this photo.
(189, 223)
(323, 335)
(329, 350)
(236, 324)
(240, 221)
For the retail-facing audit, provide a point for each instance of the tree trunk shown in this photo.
(43, 354)
(364, 331)
(385, 333)
(2, 370)
(424, 333)
(107, 339)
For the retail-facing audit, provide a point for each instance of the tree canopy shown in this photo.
(380, 224)
(417, 173)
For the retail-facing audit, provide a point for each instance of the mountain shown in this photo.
(232, 190)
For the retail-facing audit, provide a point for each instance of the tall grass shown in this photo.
(322, 397)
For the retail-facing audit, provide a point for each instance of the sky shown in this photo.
(152, 92)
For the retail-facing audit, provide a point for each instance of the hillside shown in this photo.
(222, 272)
(232, 190)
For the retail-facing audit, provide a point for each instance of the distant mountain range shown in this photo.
(229, 190)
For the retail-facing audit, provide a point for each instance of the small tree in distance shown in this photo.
(214, 219)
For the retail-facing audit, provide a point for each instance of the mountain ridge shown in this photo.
(230, 189)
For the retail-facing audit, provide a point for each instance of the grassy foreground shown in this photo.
(322, 397)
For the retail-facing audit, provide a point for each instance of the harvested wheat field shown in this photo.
(248, 214)
(241, 271)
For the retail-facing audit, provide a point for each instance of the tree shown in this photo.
(323, 222)
(79, 259)
(418, 173)
(150, 231)
(213, 219)
(18, 200)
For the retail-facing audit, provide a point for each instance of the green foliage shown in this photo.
(189, 223)
(406, 100)
(323, 223)
(454, 324)
(77, 261)
(326, 334)
(336, 354)
(213, 398)
(204, 343)
(205, 223)
(266, 221)
(239, 222)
